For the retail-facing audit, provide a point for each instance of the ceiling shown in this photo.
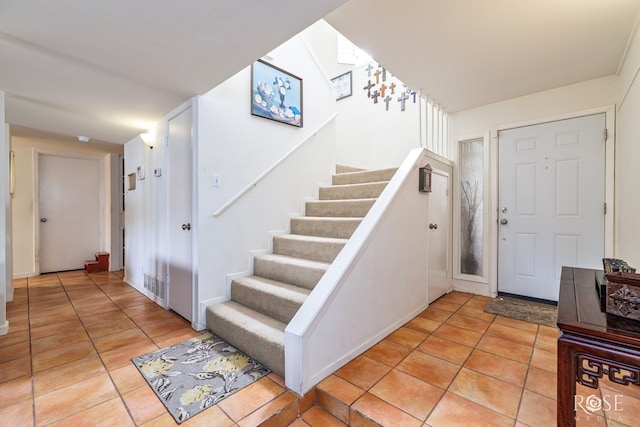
(466, 53)
(111, 69)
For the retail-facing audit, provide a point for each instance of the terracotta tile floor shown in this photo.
(66, 359)
(455, 365)
(65, 362)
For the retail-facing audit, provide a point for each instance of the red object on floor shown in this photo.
(101, 263)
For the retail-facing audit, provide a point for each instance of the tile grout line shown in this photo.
(80, 319)
(137, 326)
(115, 386)
(446, 390)
(524, 384)
(458, 371)
(96, 350)
(401, 360)
(35, 421)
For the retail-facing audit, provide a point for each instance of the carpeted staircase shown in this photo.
(261, 305)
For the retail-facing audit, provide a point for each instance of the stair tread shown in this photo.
(251, 320)
(274, 287)
(285, 259)
(315, 239)
(366, 171)
(348, 169)
(356, 184)
(365, 176)
(368, 199)
(328, 218)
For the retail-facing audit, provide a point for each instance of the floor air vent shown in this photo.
(155, 286)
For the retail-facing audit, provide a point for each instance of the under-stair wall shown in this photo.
(377, 283)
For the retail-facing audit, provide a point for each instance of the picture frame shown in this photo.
(276, 94)
(342, 85)
(131, 178)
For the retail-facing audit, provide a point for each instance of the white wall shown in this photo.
(229, 141)
(368, 135)
(24, 203)
(483, 122)
(135, 212)
(6, 287)
(627, 155)
(146, 209)
(535, 107)
(240, 147)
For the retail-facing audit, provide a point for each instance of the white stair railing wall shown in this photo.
(435, 128)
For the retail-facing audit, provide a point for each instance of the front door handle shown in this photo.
(186, 226)
(504, 221)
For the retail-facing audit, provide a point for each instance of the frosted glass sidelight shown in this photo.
(471, 193)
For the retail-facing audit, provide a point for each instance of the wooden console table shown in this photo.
(592, 343)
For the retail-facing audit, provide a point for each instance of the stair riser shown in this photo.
(316, 251)
(354, 209)
(342, 229)
(304, 277)
(357, 191)
(268, 353)
(347, 169)
(272, 305)
(261, 305)
(361, 177)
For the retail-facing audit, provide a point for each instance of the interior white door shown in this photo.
(69, 212)
(439, 214)
(551, 203)
(180, 268)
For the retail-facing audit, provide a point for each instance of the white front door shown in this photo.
(69, 212)
(551, 203)
(180, 210)
(439, 213)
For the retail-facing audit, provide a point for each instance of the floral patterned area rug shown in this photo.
(197, 373)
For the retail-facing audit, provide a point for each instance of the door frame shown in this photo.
(610, 237)
(104, 222)
(194, 212)
(445, 169)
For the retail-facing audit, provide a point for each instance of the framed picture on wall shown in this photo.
(342, 85)
(276, 94)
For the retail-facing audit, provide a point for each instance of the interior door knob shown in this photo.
(504, 221)
(186, 226)
(433, 226)
(43, 219)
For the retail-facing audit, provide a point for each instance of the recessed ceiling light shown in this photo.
(83, 138)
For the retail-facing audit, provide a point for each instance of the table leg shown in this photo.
(566, 384)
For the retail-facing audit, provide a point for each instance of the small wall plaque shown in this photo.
(424, 179)
(132, 181)
(342, 85)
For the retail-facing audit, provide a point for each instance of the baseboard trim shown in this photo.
(4, 329)
(25, 275)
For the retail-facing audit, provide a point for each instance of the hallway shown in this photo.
(66, 362)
